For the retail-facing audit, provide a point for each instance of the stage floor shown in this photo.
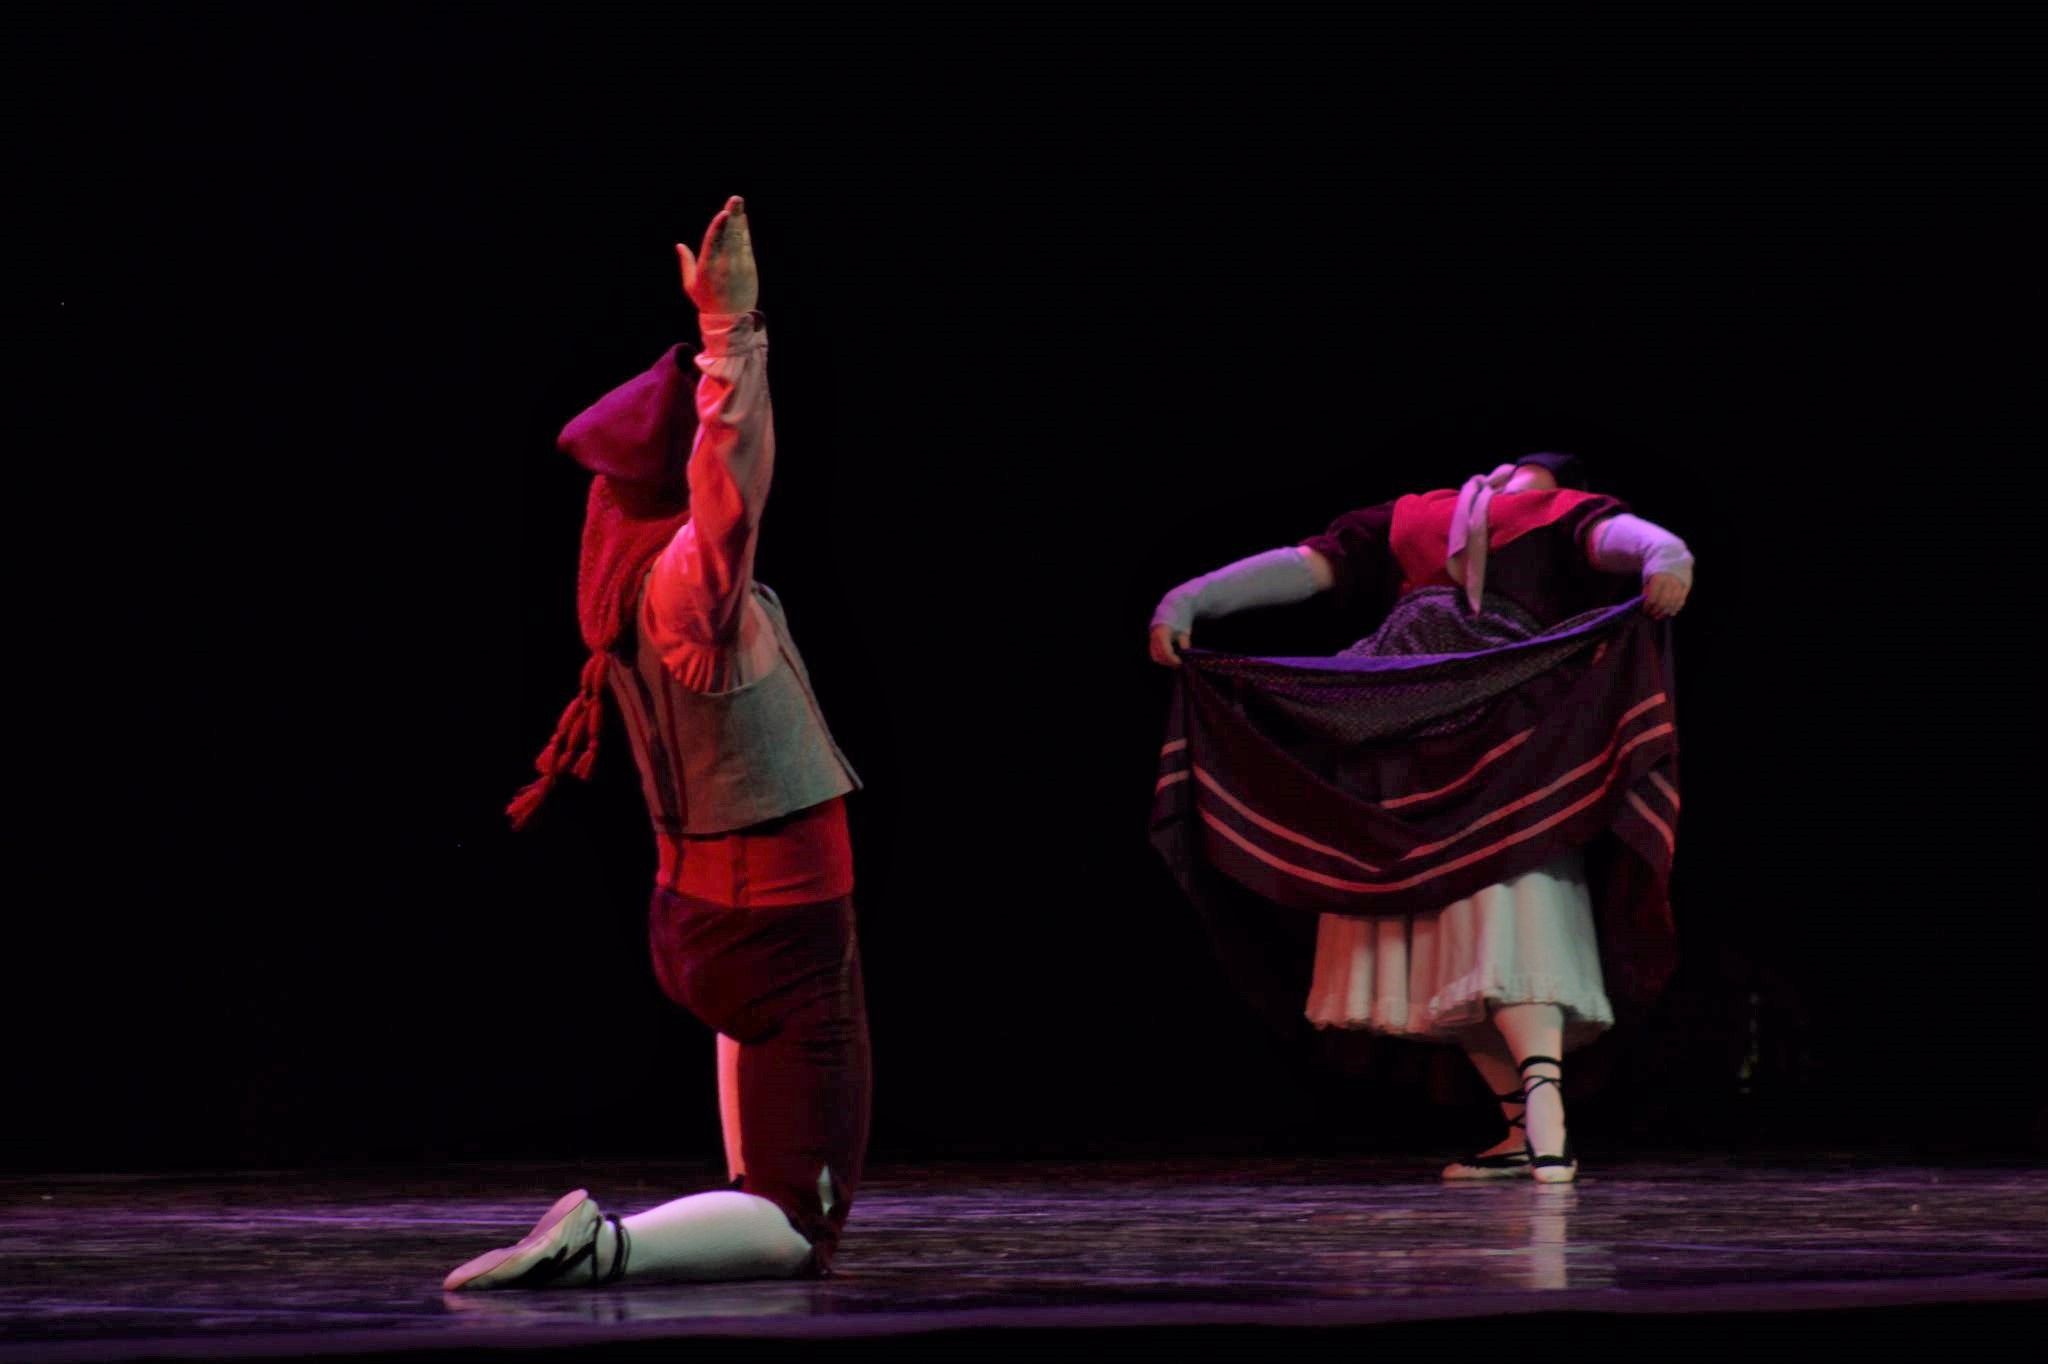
(246, 1264)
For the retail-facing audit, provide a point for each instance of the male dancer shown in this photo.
(752, 925)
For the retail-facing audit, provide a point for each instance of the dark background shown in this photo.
(1061, 317)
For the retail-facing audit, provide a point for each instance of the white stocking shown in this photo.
(718, 1235)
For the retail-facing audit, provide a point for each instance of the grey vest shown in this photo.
(712, 762)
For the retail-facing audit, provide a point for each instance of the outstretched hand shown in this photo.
(1664, 595)
(1167, 643)
(721, 277)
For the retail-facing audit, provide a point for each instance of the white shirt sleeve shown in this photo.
(1628, 544)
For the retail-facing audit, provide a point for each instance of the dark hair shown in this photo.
(1568, 470)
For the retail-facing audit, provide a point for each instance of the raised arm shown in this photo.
(698, 591)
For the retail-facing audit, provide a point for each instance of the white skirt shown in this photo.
(1530, 940)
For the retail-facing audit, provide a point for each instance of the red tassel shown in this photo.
(568, 713)
(572, 747)
(528, 801)
(588, 726)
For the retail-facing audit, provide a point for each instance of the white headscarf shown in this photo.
(1466, 561)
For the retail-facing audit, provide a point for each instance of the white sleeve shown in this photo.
(1628, 544)
(1279, 577)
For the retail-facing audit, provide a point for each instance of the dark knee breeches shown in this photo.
(785, 983)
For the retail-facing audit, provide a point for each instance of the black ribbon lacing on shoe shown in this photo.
(622, 1250)
(1532, 1083)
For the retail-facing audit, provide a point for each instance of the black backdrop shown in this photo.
(1061, 316)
